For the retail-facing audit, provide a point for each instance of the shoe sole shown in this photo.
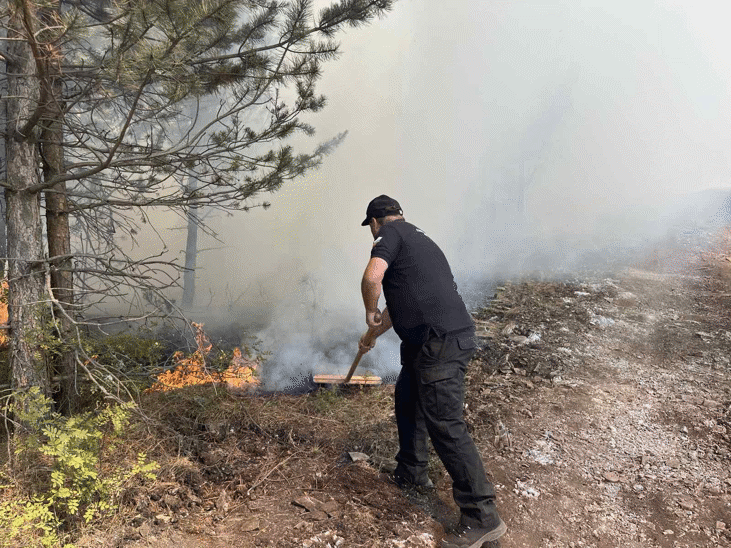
(487, 537)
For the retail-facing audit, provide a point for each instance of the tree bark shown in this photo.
(59, 244)
(26, 295)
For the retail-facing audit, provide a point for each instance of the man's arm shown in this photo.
(371, 289)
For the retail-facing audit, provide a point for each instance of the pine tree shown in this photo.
(114, 107)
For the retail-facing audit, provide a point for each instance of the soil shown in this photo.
(601, 407)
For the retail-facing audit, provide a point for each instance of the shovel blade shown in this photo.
(340, 379)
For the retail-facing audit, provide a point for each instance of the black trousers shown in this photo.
(429, 402)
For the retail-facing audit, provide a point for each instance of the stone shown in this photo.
(307, 503)
(332, 508)
(248, 524)
(171, 502)
(612, 477)
(163, 518)
(686, 503)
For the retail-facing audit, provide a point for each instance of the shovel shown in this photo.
(349, 378)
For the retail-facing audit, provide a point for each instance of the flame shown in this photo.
(191, 370)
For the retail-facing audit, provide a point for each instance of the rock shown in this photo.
(326, 539)
(317, 515)
(519, 339)
(686, 503)
(673, 463)
(612, 477)
(307, 503)
(526, 490)
(356, 456)
(316, 509)
(163, 518)
(331, 508)
(248, 524)
(720, 526)
(144, 530)
(601, 321)
(172, 502)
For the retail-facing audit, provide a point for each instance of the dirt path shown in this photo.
(629, 445)
(601, 408)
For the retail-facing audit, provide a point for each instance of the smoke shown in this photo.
(305, 342)
(518, 135)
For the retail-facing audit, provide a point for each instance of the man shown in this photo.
(437, 334)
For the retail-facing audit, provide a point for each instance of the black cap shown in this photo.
(382, 206)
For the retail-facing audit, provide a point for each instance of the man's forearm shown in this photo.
(371, 293)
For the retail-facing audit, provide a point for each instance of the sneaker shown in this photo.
(472, 537)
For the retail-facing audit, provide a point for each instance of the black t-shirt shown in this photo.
(421, 295)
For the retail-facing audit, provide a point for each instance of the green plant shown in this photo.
(76, 460)
(29, 524)
(135, 351)
(325, 401)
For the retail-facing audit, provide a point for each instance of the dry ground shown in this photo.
(600, 406)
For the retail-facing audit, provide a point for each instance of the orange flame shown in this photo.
(191, 370)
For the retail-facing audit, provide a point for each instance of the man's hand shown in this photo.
(374, 319)
(366, 342)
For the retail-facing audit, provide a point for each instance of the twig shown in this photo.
(258, 482)
(313, 417)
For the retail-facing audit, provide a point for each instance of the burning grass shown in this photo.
(193, 369)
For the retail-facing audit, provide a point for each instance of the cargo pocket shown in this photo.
(467, 342)
(431, 351)
(441, 388)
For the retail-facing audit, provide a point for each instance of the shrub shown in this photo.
(74, 465)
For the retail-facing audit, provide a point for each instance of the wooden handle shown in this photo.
(352, 367)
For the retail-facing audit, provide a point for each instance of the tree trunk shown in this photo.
(26, 295)
(191, 251)
(59, 245)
